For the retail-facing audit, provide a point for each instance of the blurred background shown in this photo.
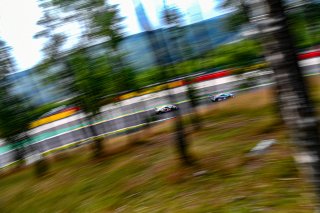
(85, 73)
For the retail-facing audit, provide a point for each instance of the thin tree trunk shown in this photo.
(19, 156)
(41, 164)
(191, 92)
(181, 143)
(97, 141)
(19, 151)
(195, 118)
(181, 138)
(158, 51)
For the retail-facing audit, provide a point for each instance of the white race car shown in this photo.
(165, 108)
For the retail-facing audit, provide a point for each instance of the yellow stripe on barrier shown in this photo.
(175, 84)
(52, 118)
(128, 95)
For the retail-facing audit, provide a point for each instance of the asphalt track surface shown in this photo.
(123, 118)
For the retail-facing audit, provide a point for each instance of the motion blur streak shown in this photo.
(196, 113)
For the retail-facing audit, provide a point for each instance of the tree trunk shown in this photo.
(41, 166)
(191, 91)
(97, 141)
(159, 50)
(19, 151)
(181, 139)
(19, 156)
(295, 105)
(193, 97)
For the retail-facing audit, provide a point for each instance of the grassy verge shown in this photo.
(148, 177)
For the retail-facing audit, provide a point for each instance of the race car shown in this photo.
(221, 97)
(165, 108)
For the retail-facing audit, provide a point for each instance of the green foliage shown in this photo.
(235, 20)
(125, 79)
(88, 78)
(73, 4)
(171, 16)
(187, 67)
(102, 19)
(238, 18)
(306, 33)
(230, 55)
(304, 20)
(312, 15)
(16, 113)
(146, 77)
(90, 81)
(6, 61)
(236, 54)
(107, 25)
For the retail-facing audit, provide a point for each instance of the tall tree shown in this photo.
(50, 22)
(90, 81)
(238, 17)
(15, 117)
(16, 113)
(6, 62)
(74, 73)
(87, 80)
(303, 15)
(106, 24)
(173, 19)
(103, 23)
(160, 51)
(296, 108)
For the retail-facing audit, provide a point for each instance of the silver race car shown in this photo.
(165, 108)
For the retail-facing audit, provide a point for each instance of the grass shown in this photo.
(147, 177)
